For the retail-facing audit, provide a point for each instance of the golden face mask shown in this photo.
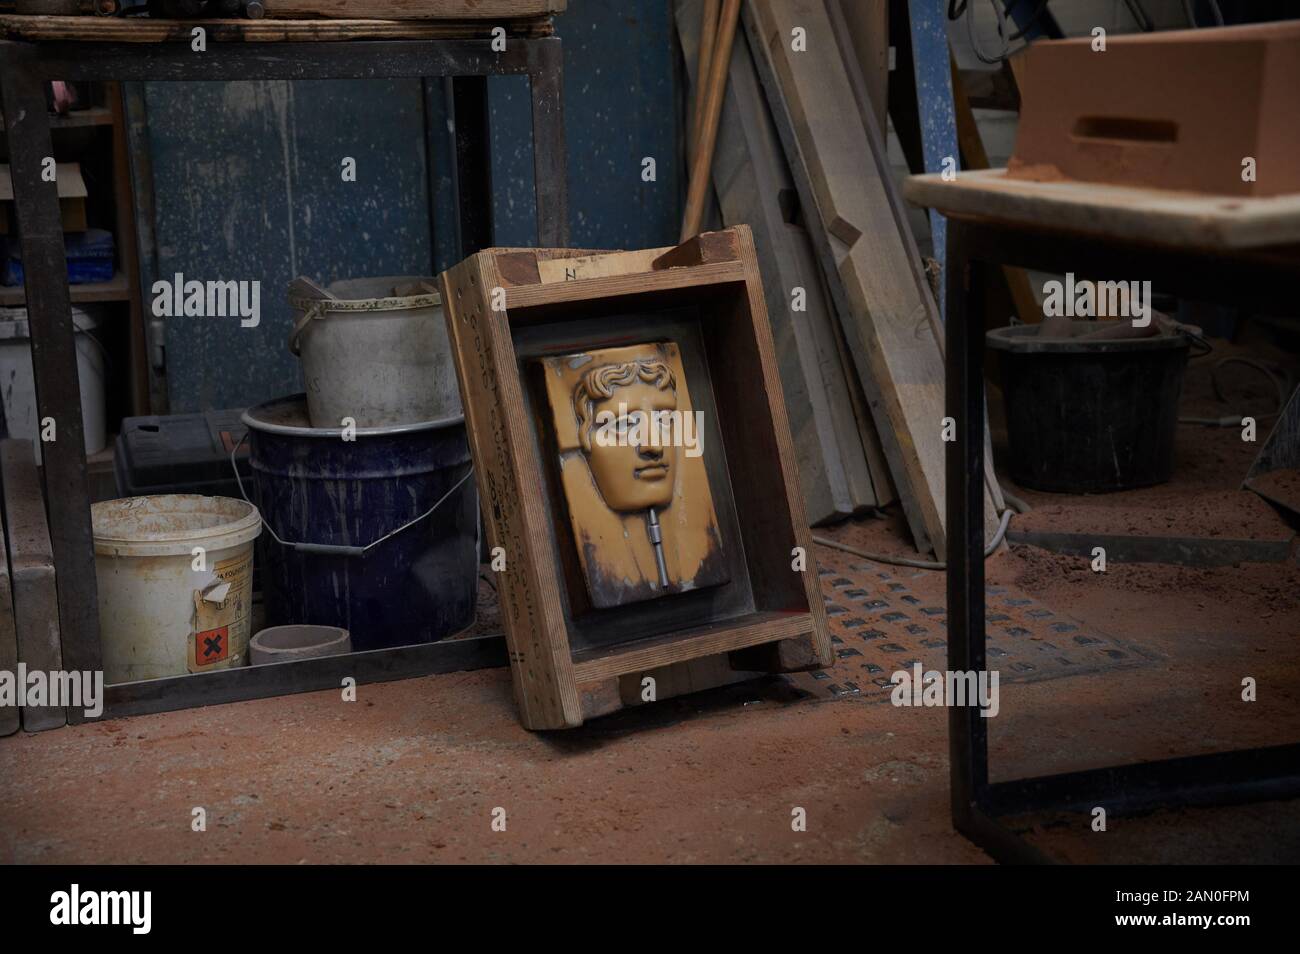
(632, 471)
(621, 410)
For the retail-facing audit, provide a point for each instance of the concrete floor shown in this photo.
(412, 771)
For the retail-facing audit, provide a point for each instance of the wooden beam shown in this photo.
(889, 317)
(702, 159)
(868, 34)
(754, 187)
(708, 39)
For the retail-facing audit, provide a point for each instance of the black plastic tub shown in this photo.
(1089, 417)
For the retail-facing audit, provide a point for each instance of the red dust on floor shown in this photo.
(412, 771)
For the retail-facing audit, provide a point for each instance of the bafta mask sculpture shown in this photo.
(636, 472)
(632, 470)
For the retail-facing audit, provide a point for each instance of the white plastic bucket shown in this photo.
(19, 389)
(376, 357)
(175, 575)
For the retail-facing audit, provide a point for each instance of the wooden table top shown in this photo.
(1126, 213)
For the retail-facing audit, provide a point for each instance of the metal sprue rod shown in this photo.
(657, 540)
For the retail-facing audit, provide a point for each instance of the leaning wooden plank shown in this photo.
(846, 193)
(864, 464)
(750, 179)
(704, 44)
(789, 249)
(867, 32)
(415, 9)
(882, 482)
(715, 84)
(31, 561)
(850, 36)
(8, 643)
(855, 436)
(753, 186)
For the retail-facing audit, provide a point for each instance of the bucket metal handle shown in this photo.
(338, 549)
(310, 313)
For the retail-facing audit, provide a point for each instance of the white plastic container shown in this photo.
(175, 575)
(19, 389)
(374, 356)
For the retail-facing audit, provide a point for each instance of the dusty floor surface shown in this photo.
(413, 771)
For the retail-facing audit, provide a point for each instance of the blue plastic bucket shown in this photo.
(377, 535)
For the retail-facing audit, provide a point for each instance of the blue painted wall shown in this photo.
(246, 184)
(621, 105)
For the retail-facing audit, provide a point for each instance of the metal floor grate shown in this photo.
(886, 618)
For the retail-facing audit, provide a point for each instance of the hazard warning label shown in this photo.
(212, 646)
(222, 616)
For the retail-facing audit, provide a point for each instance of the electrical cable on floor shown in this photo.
(1276, 381)
(1234, 420)
(1014, 502)
(918, 564)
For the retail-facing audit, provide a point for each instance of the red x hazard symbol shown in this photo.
(212, 646)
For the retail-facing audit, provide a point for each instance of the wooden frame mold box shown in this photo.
(1177, 110)
(507, 310)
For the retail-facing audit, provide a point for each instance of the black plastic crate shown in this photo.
(181, 454)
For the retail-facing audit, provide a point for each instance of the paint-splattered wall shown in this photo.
(248, 186)
(621, 100)
(243, 181)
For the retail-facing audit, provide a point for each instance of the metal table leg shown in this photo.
(54, 357)
(964, 496)
(473, 172)
(977, 805)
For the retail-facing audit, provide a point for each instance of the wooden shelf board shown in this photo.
(79, 118)
(722, 636)
(269, 30)
(116, 289)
